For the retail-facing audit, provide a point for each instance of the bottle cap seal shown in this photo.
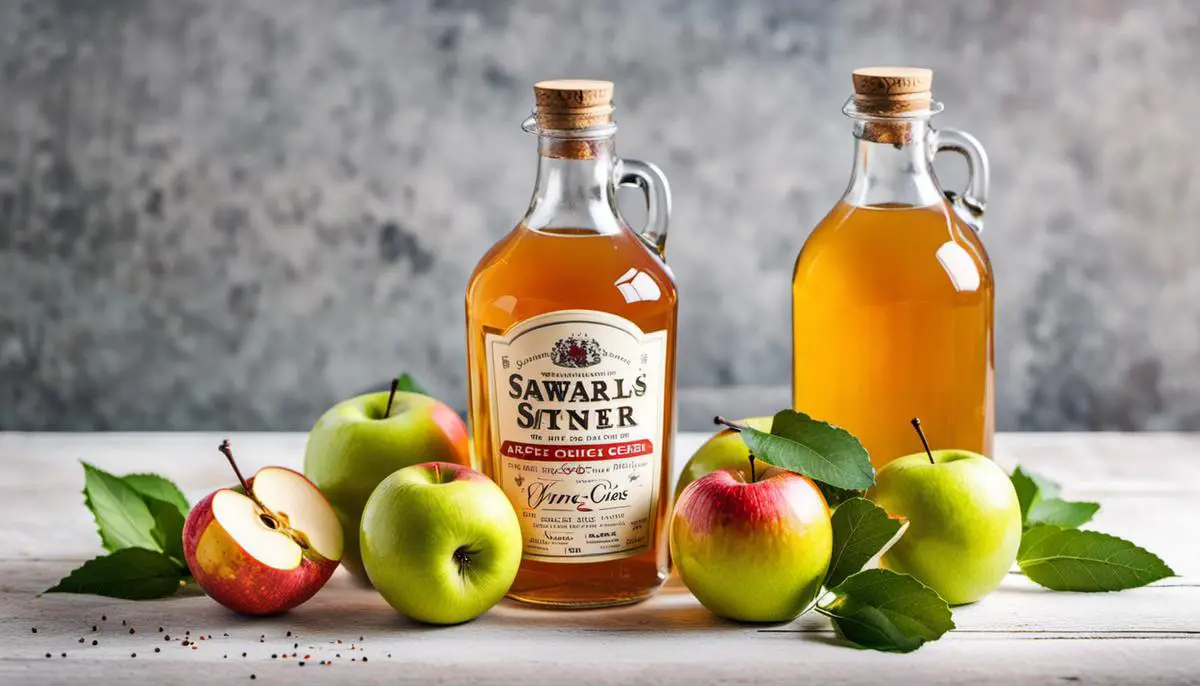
(571, 104)
(885, 91)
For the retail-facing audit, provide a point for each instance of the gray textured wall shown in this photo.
(231, 214)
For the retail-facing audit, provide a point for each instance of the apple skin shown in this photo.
(964, 522)
(723, 449)
(350, 451)
(235, 579)
(752, 552)
(415, 524)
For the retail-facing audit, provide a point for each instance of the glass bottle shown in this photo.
(892, 297)
(571, 337)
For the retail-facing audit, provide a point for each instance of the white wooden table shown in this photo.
(1149, 486)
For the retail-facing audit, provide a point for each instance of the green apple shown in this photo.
(964, 521)
(753, 550)
(723, 449)
(359, 442)
(440, 542)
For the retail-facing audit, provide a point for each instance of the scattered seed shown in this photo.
(160, 629)
(193, 646)
(35, 631)
(64, 654)
(131, 630)
(339, 656)
(187, 633)
(122, 622)
(389, 655)
(133, 655)
(295, 645)
(288, 633)
(158, 650)
(94, 627)
(95, 643)
(301, 662)
(360, 638)
(274, 656)
(104, 618)
(224, 657)
(364, 658)
(243, 655)
(226, 635)
(167, 637)
(47, 654)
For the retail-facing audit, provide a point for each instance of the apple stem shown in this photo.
(391, 397)
(728, 424)
(916, 422)
(227, 451)
(753, 476)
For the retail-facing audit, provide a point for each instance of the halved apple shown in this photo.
(264, 548)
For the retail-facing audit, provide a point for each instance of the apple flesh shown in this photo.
(964, 521)
(752, 550)
(353, 447)
(440, 542)
(263, 561)
(724, 449)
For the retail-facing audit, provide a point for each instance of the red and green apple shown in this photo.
(265, 546)
(752, 547)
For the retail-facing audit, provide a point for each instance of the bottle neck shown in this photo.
(575, 186)
(892, 165)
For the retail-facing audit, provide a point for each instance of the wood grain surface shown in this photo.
(1149, 486)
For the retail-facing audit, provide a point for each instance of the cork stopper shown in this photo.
(572, 104)
(891, 92)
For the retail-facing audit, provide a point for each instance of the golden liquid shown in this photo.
(532, 272)
(892, 319)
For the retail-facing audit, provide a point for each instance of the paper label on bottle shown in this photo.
(577, 428)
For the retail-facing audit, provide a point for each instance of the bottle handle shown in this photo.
(657, 192)
(972, 202)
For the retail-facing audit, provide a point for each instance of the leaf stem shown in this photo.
(391, 397)
(728, 424)
(916, 422)
(227, 451)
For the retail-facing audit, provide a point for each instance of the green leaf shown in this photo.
(835, 496)
(168, 529)
(883, 610)
(130, 573)
(861, 530)
(1088, 561)
(1040, 503)
(816, 449)
(1026, 488)
(407, 383)
(155, 486)
(122, 517)
(1064, 513)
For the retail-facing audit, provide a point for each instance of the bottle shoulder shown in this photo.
(898, 249)
(534, 271)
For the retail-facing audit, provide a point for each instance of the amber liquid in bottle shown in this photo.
(573, 276)
(533, 272)
(892, 297)
(892, 319)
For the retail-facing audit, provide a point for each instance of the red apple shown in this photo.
(266, 547)
(753, 548)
